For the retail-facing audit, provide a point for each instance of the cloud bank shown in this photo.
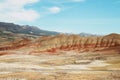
(14, 11)
(54, 10)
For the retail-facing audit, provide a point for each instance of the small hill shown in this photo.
(113, 35)
(63, 42)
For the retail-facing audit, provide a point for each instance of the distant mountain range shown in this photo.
(32, 30)
(87, 34)
(25, 29)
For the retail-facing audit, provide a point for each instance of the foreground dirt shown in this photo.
(60, 67)
(83, 75)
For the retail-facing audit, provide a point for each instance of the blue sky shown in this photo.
(73, 16)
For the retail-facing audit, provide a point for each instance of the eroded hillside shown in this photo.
(55, 44)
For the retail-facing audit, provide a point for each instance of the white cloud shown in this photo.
(78, 0)
(14, 11)
(67, 1)
(54, 10)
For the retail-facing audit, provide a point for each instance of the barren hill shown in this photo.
(55, 44)
(75, 42)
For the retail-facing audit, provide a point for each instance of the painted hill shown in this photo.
(55, 44)
(75, 42)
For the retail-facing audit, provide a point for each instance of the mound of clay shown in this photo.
(75, 42)
(54, 44)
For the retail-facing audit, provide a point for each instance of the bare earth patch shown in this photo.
(60, 67)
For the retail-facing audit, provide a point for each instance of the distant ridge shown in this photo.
(25, 29)
(87, 34)
(33, 30)
(113, 35)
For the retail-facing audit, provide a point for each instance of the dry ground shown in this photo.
(60, 67)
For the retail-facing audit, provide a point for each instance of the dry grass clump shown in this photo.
(58, 62)
(113, 65)
(115, 61)
(27, 76)
(63, 76)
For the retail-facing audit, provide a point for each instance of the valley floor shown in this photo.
(82, 66)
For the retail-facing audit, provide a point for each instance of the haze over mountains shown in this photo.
(32, 30)
(25, 29)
